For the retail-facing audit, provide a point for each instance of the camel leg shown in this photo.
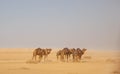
(73, 58)
(33, 58)
(40, 57)
(67, 57)
(79, 58)
(57, 57)
(45, 57)
(61, 58)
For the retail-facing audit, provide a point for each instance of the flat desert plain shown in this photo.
(17, 61)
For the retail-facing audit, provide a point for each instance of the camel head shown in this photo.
(72, 50)
(83, 50)
(48, 51)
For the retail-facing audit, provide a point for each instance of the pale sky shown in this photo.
(93, 24)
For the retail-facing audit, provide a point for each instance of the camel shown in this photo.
(82, 52)
(71, 52)
(77, 54)
(46, 53)
(60, 54)
(64, 54)
(41, 52)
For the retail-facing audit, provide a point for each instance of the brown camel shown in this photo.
(38, 52)
(64, 54)
(77, 54)
(82, 52)
(46, 53)
(60, 54)
(41, 52)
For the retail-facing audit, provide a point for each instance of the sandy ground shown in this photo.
(16, 61)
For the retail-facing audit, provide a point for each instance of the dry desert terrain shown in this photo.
(17, 61)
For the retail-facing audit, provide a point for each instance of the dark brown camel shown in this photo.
(41, 52)
(71, 52)
(38, 52)
(64, 54)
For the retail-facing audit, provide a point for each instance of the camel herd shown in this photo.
(62, 55)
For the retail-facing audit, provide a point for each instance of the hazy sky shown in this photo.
(93, 24)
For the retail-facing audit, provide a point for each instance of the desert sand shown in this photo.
(16, 61)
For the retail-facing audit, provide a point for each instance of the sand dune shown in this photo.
(18, 61)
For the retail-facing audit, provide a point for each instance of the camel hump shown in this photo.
(37, 51)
